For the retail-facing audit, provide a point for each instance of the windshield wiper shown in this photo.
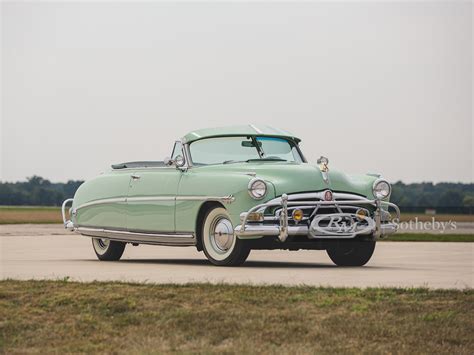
(232, 161)
(267, 159)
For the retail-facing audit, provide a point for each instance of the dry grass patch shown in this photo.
(20, 215)
(406, 217)
(427, 237)
(55, 316)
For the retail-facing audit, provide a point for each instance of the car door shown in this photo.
(152, 198)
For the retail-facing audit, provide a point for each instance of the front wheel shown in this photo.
(108, 250)
(219, 242)
(351, 252)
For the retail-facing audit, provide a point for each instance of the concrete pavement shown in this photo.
(35, 253)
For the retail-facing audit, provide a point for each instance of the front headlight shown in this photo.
(257, 188)
(381, 189)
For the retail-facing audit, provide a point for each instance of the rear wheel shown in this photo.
(108, 250)
(351, 252)
(219, 242)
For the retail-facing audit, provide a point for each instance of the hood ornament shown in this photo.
(323, 166)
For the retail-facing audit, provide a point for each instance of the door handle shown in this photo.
(135, 176)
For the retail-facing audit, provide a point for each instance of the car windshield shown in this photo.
(227, 150)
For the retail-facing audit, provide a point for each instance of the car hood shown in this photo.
(299, 177)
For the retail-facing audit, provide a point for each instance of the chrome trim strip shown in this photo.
(224, 199)
(171, 239)
(346, 196)
(102, 202)
(320, 196)
(145, 167)
(150, 198)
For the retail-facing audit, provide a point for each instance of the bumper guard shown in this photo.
(283, 230)
(68, 224)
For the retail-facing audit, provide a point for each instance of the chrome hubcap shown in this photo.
(103, 243)
(223, 234)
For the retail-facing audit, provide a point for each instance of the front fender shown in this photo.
(195, 183)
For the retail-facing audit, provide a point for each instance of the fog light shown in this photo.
(361, 214)
(252, 217)
(297, 215)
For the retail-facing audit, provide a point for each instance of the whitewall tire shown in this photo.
(219, 242)
(108, 250)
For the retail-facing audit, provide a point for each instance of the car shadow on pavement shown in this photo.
(247, 264)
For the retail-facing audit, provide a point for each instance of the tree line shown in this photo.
(459, 197)
(37, 191)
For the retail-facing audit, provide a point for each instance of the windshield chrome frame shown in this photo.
(187, 148)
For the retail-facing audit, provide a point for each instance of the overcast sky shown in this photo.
(375, 86)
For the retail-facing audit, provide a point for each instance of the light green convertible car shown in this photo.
(226, 191)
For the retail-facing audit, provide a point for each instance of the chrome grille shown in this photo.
(309, 211)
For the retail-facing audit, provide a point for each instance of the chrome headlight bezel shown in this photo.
(255, 185)
(378, 194)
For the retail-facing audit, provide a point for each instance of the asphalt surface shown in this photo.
(48, 252)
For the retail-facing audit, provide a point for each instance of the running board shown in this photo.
(170, 239)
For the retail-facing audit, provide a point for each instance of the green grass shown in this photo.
(426, 237)
(61, 316)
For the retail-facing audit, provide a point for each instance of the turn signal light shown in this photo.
(361, 213)
(297, 215)
(252, 217)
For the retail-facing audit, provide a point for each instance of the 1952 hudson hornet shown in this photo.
(226, 191)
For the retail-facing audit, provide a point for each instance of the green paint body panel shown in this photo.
(106, 186)
(168, 199)
(153, 215)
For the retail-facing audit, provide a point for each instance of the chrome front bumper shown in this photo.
(282, 230)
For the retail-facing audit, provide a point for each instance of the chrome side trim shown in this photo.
(170, 239)
(150, 198)
(102, 202)
(223, 199)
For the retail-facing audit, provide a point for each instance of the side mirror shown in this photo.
(177, 162)
(168, 161)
